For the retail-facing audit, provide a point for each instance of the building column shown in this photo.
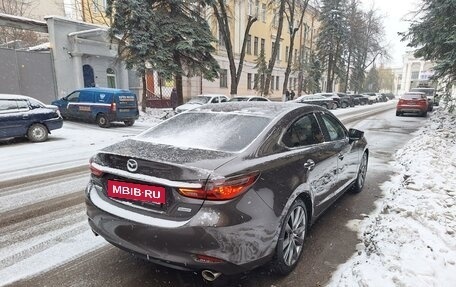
(77, 69)
(123, 77)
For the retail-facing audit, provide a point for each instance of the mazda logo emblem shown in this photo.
(132, 165)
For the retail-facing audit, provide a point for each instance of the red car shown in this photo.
(412, 102)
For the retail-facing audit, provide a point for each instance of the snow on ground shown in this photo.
(410, 240)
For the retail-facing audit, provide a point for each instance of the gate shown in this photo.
(27, 73)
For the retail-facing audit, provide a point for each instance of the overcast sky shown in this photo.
(394, 12)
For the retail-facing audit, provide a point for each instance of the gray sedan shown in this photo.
(225, 188)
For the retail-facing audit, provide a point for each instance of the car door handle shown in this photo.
(341, 156)
(310, 164)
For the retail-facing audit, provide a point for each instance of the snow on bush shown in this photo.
(410, 240)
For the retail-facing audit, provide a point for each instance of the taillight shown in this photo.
(96, 172)
(113, 107)
(401, 101)
(222, 189)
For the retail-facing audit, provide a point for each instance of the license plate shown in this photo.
(124, 110)
(135, 191)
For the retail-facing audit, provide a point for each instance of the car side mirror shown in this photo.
(354, 134)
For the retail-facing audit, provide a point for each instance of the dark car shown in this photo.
(102, 105)
(360, 100)
(225, 188)
(333, 96)
(315, 100)
(346, 100)
(22, 116)
(249, 99)
(413, 102)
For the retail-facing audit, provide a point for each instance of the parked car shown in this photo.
(335, 98)
(382, 97)
(412, 102)
(346, 100)
(318, 100)
(22, 116)
(430, 94)
(249, 99)
(360, 100)
(224, 188)
(102, 105)
(200, 100)
(371, 98)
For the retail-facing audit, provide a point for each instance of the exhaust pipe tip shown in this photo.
(209, 275)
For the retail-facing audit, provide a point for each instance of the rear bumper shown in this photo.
(54, 124)
(243, 243)
(411, 109)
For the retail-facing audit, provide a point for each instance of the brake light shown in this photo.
(96, 172)
(222, 189)
(113, 107)
(401, 101)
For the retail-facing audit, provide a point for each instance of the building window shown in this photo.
(275, 19)
(263, 12)
(255, 81)
(89, 77)
(111, 77)
(277, 82)
(272, 82)
(255, 46)
(262, 44)
(249, 45)
(415, 75)
(249, 81)
(223, 78)
(296, 56)
(257, 8)
(278, 58)
(286, 53)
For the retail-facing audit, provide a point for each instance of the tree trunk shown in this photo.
(179, 89)
(144, 92)
(275, 49)
(223, 23)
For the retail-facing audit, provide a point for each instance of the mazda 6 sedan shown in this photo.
(225, 188)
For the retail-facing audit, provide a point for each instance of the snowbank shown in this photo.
(410, 240)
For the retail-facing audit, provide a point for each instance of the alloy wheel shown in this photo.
(295, 231)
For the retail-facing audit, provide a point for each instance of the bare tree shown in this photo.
(223, 19)
(13, 37)
(294, 12)
(276, 46)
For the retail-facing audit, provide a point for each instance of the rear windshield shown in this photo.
(199, 100)
(413, 96)
(209, 131)
(238, 99)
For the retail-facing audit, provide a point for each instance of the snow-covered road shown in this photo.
(410, 240)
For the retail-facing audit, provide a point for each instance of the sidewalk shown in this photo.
(410, 240)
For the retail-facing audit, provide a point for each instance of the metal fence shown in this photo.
(27, 73)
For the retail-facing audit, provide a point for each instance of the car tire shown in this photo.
(129, 123)
(291, 239)
(343, 105)
(102, 121)
(424, 114)
(324, 106)
(398, 114)
(361, 178)
(37, 133)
